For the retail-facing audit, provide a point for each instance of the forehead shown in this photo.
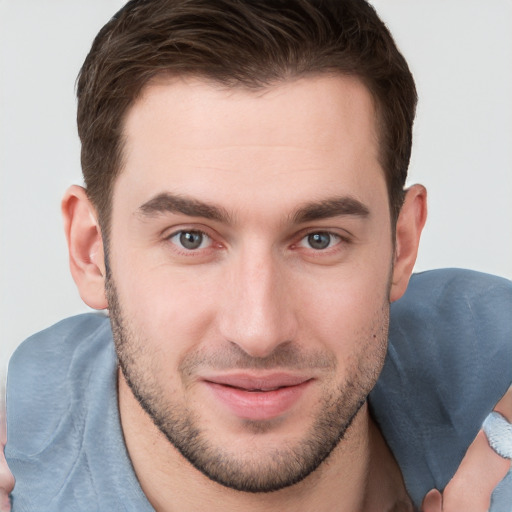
(199, 138)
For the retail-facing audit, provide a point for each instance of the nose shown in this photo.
(257, 311)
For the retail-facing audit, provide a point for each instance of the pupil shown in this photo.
(191, 239)
(319, 240)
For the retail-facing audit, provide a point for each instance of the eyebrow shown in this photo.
(331, 207)
(315, 210)
(170, 203)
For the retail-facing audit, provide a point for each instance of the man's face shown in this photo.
(250, 260)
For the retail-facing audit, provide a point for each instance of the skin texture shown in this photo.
(271, 287)
(6, 482)
(262, 311)
(255, 298)
(289, 454)
(480, 471)
(255, 295)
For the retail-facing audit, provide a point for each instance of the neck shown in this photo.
(360, 474)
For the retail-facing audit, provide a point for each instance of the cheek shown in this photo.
(347, 308)
(167, 307)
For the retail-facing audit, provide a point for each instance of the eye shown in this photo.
(191, 240)
(320, 240)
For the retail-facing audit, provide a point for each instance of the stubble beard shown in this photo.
(279, 467)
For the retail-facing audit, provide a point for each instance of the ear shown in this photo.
(408, 231)
(85, 246)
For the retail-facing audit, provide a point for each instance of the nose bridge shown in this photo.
(258, 315)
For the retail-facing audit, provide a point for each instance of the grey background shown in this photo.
(459, 50)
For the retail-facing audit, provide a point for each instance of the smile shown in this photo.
(258, 398)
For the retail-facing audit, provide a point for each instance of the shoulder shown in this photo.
(63, 337)
(452, 321)
(447, 295)
(448, 364)
(453, 330)
(65, 444)
(45, 373)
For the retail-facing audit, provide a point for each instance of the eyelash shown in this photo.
(206, 238)
(179, 244)
(333, 237)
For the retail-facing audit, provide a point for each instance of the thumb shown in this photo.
(433, 502)
(6, 483)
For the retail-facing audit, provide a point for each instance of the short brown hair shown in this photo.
(248, 43)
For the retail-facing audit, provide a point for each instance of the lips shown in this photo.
(258, 397)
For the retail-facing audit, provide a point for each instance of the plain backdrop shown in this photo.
(459, 50)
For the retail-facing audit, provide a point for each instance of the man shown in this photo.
(245, 222)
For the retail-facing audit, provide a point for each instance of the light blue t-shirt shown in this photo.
(66, 448)
(449, 361)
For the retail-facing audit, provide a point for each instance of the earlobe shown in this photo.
(85, 246)
(411, 221)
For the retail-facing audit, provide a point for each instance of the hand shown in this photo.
(481, 470)
(6, 477)
(6, 481)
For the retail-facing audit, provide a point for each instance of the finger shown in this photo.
(504, 406)
(480, 472)
(6, 477)
(5, 502)
(433, 502)
(6, 483)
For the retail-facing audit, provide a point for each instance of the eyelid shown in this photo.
(337, 239)
(329, 255)
(343, 234)
(209, 240)
(201, 252)
(170, 231)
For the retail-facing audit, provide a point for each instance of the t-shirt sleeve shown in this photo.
(449, 362)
